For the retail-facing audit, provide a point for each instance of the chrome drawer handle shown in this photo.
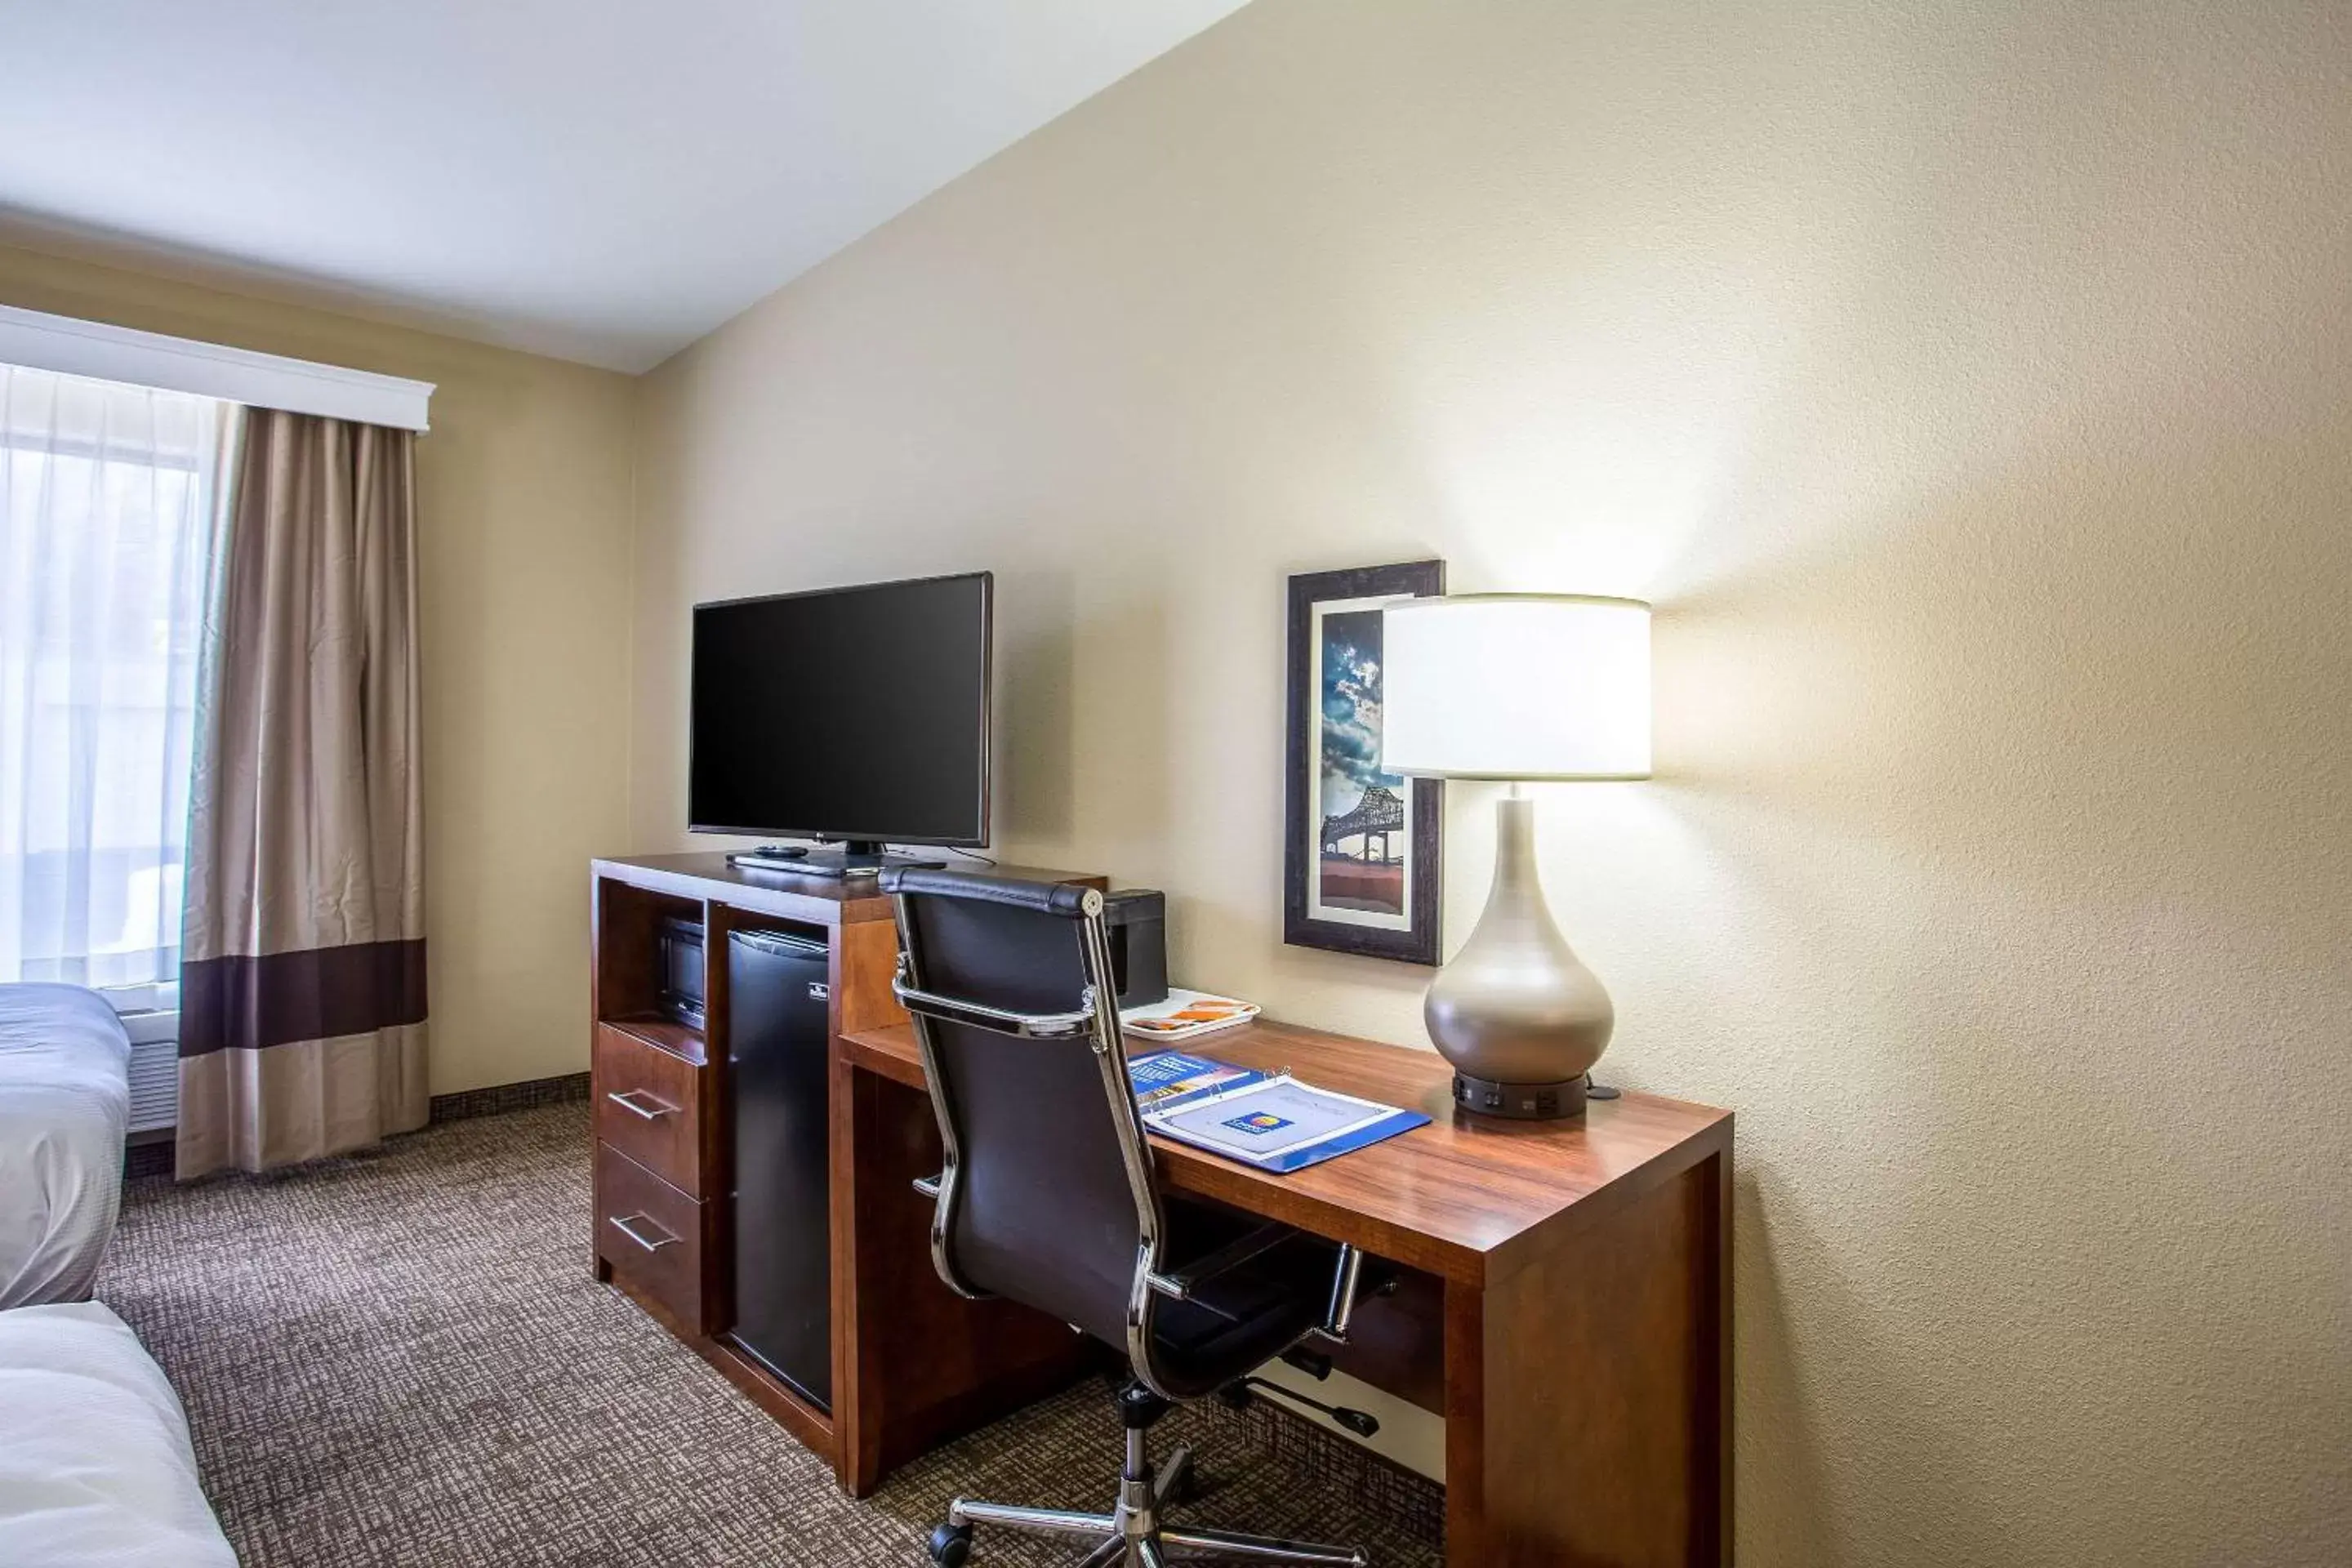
(625, 1225)
(628, 1102)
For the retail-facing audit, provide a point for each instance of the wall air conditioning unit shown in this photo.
(155, 1069)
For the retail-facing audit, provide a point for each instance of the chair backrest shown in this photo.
(1047, 1197)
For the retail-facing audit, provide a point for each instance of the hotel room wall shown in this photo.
(523, 506)
(1971, 388)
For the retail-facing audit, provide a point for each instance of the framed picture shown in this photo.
(1362, 864)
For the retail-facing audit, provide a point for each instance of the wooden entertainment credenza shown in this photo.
(663, 1233)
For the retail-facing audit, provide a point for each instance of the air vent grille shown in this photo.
(154, 1085)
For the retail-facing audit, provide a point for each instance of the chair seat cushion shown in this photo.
(1243, 1318)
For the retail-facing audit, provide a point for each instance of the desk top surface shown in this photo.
(1462, 1197)
(796, 895)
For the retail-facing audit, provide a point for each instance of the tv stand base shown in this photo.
(854, 857)
(847, 863)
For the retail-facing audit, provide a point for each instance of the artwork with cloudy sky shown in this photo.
(1351, 709)
(1360, 876)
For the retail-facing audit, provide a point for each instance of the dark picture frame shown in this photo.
(1384, 897)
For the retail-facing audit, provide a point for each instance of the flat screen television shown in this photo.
(858, 714)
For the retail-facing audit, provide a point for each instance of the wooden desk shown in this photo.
(1566, 1308)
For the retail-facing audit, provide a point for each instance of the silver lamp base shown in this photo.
(1523, 1101)
(1517, 1013)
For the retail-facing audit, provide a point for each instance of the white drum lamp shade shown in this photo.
(1517, 686)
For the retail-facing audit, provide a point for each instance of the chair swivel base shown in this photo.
(1132, 1535)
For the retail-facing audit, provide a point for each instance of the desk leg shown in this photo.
(1587, 1400)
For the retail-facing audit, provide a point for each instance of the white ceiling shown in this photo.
(600, 180)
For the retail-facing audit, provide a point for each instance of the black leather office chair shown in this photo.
(1048, 1197)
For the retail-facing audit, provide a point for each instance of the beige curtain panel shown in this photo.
(302, 1009)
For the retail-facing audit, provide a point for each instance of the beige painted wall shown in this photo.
(1971, 387)
(523, 505)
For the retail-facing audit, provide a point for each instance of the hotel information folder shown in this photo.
(1274, 1123)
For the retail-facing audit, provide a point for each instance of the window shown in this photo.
(105, 531)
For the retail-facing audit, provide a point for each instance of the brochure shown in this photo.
(1278, 1124)
(1168, 1079)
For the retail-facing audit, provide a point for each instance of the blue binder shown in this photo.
(1271, 1122)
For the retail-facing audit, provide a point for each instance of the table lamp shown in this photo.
(1523, 687)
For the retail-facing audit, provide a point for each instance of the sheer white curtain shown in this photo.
(105, 530)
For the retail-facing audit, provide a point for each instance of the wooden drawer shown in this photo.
(649, 1106)
(651, 1234)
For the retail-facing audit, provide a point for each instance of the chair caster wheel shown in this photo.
(950, 1544)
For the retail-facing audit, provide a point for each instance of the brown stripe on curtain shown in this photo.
(303, 984)
(245, 1004)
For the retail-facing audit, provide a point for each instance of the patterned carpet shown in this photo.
(400, 1358)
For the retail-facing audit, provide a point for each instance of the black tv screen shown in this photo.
(857, 713)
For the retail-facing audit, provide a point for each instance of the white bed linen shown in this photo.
(65, 1109)
(96, 1470)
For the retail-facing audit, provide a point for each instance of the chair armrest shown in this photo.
(997, 1020)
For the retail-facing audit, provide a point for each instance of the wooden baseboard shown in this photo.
(150, 1152)
(500, 1097)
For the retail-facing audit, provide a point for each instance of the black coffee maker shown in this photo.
(1138, 919)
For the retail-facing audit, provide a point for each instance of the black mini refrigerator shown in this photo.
(776, 1034)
